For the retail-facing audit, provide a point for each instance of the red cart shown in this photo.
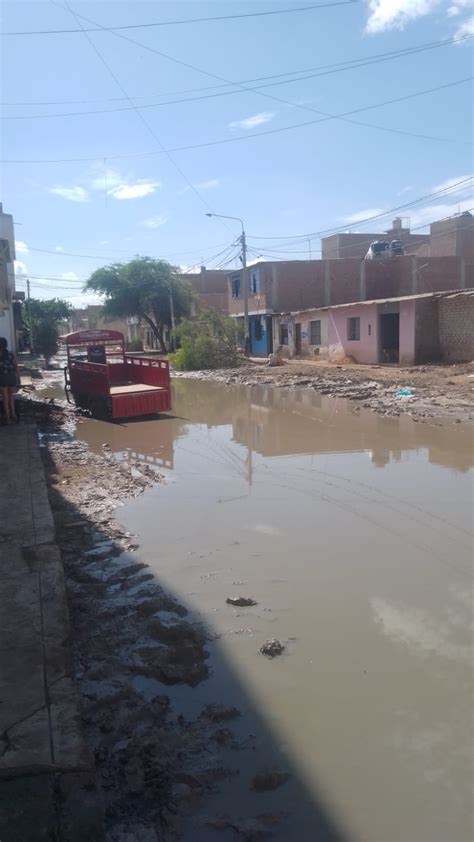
(101, 377)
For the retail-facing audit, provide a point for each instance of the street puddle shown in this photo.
(352, 532)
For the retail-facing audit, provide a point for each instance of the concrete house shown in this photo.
(276, 287)
(405, 330)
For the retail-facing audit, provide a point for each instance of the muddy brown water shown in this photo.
(353, 534)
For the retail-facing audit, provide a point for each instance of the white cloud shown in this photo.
(433, 213)
(395, 14)
(251, 122)
(21, 247)
(135, 191)
(20, 267)
(154, 221)
(404, 190)
(465, 28)
(58, 248)
(122, 186)
(69, 276)
(104, 242)
(73, 194)
(358, 216)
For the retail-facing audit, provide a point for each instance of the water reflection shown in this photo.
(283, 422)
(363, 572)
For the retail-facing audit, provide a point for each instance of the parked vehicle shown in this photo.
(396, 248)
(378, 250)
(101, 377)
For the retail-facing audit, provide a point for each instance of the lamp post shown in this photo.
(244, 271)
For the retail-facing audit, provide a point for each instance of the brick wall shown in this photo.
(456, 328)
(427, 346)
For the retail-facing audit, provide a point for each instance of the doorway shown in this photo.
(389, 337)
(297, 339)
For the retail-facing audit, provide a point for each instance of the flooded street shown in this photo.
(352, 533)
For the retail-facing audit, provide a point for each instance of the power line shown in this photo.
(341, 67)
(452, 188)
(322, 70)
(243, 88)
(187, 21)
(266, 132)
(139, 114)
(114, 259)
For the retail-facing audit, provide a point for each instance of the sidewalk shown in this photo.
(47, 789)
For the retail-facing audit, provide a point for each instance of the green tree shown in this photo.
(143, 287)
(208, 341)
(43, 319)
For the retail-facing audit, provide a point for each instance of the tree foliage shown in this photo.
(208, 341)
(142, 288)
(43, 318)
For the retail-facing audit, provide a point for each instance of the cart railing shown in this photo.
(89, 378)
(148, 370)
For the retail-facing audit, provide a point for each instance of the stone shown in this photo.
(268, 779)
(271, 648)
(240, 601)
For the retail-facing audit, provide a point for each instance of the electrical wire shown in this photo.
(453, 188)
(267, 132)
(188, 20)
(214, 95)
(322, 70)
(137, 111)
(327, 116)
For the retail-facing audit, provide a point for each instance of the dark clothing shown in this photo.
(8, 375)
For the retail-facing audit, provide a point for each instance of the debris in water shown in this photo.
(219, 713)
(272, 648)
(241, 601)
(268, 779)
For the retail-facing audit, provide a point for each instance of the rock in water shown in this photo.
(272, 648)
(268, 779)
(241, 601)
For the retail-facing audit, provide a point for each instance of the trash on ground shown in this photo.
(272, 648)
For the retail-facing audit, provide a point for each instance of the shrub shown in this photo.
(135, 345)
(208, 341)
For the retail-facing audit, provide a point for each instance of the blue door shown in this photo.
(259, 335)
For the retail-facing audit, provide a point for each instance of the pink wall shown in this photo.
(407, 332)
(366, 349)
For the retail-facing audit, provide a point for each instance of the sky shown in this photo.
(89, 189)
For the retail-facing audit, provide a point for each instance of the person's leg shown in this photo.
(6, 403)
(11, 397)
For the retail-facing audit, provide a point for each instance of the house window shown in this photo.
(258, 329)
(353, 329)
(283, 334)
(315, 332)
(236, 285)
(254, 281)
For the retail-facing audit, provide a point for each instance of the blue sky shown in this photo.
(287, 183)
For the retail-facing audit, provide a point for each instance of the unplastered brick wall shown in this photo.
(456, 328)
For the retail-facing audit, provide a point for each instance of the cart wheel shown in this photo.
(99, 408)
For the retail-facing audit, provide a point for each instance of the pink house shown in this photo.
(406, 330)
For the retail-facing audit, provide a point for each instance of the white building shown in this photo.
(7, 277)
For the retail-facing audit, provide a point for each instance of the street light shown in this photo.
(244, 268)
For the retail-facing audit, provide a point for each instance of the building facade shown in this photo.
(405, 330)
(7, 278)
(284, 287)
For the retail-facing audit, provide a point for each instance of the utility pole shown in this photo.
(309, 248)
(172, 317)
(28, 307)
(244, 274)
(246, 294)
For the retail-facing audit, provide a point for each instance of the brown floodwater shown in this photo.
(353, 534)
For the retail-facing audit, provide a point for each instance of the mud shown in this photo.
(352, 533)
(152, 765)
(444, 393)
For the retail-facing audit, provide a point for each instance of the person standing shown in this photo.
(9, 380)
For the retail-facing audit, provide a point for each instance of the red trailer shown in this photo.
(110, 383)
